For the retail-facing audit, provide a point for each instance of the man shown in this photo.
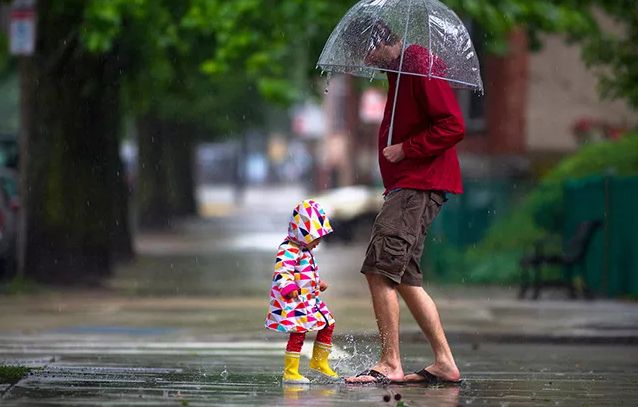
(417, 171)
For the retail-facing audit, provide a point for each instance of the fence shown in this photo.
(612, 261)
(612, 258)
(464, 220)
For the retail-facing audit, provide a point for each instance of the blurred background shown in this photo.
(162, 144)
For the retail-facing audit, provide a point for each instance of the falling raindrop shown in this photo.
(327, 82)
(372, 76)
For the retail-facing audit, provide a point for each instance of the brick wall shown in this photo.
(506, 93)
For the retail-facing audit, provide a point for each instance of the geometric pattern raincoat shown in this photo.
(295, 269)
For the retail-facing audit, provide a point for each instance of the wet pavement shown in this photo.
(121, 372)
(183, 326)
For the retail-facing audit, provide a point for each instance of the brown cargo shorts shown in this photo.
(398, 235)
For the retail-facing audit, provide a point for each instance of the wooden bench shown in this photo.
(573, 256)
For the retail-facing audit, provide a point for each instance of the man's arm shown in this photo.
(447, 127)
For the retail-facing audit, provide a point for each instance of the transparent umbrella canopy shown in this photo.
(426, 23)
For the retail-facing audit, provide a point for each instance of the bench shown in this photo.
(573, 256)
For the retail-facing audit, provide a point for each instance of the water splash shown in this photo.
(360, 356)
(224, 374)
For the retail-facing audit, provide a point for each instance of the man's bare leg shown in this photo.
(426, 315)
(386, 310)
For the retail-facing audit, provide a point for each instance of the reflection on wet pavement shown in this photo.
(248, 374)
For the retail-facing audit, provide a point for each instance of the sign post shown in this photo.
(22, 40)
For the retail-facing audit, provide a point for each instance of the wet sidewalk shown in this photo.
(121, 371)
(183, 325)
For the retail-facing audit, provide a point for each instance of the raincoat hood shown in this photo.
(308, 222)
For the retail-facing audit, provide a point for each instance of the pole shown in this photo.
(24, 135)
(22, 44)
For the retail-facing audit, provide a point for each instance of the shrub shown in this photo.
(494, 259)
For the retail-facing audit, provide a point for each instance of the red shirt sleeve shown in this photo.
(446, 127)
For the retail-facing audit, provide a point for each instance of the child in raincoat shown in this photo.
(295, 303)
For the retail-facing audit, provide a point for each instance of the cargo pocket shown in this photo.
(392, 256)
(436, 198)
(432, 210)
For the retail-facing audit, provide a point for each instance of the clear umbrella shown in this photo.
(426, 23)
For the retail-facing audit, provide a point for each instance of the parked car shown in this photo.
(351, 210)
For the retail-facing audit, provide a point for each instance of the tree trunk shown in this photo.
(74, 172)
(122, 239)
(152, 202)
(181, 178)
(166, 183)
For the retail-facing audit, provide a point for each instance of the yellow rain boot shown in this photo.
(319, 360)
(291, 369)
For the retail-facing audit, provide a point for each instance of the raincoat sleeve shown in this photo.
(287, 259)
(446, 121)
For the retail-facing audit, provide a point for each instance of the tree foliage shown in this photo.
(615, 54)
(162, 54)
(279, 48)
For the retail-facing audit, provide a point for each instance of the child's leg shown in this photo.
(321, 351)
(325, 335)
(295, 342)
(291, 359)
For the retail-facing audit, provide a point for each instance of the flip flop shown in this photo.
(431, 379)
(379, 378)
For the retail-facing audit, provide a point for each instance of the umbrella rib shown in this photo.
(429, 43)
(365, 67)
(396, 88)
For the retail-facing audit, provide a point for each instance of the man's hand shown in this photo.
(323, 285)
(293, 294)
(394, 153)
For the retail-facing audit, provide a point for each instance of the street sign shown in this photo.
(22, 29)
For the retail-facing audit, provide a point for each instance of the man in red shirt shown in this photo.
(418, 169)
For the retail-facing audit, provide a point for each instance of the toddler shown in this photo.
(295, 303)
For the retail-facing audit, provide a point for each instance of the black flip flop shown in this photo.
(379, 378)
(432, 379)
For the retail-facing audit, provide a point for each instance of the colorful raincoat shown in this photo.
(295, 269)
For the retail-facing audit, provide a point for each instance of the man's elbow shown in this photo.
(456, 131)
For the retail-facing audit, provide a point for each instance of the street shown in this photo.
(183, 325)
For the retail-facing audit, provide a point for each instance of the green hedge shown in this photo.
(494, 259)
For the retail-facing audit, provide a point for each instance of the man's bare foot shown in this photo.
(378, 374)
(444, 372)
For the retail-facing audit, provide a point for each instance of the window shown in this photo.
(473, 103)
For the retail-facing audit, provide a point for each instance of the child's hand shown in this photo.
(293, 294)
(323, 285)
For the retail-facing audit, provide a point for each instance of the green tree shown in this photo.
(89, 52)
(614, 55)
(171, 100)
(279, 48)
(75, 187)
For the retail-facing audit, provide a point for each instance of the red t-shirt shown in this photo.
(428, 121)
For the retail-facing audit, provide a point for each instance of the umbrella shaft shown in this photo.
(394, 108)
(396, 88)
